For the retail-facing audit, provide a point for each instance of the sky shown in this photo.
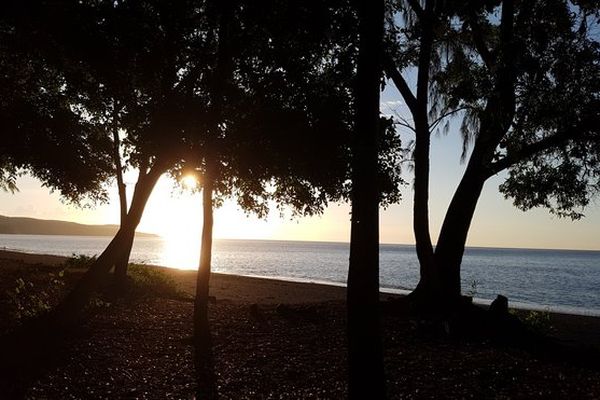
(172, 213)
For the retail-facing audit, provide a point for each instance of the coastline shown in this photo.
(493, 271)
(240, 289)
(335, 286)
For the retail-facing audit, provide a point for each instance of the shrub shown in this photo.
(538, 321)
(472, 291)
(79, 261)
(152, 281)
(26, 300)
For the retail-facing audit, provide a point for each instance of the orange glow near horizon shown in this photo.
(176, 215)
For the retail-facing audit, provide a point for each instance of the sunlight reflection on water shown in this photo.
(555, 278)
(181, 252)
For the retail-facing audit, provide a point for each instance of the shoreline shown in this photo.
(268, 291)
(148, 235)
(49, 259)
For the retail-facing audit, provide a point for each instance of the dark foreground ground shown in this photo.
(140, 349)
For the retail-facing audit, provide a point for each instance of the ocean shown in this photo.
(555, 280)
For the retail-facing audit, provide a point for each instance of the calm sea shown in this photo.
(558, 280)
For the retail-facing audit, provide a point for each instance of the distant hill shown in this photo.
(32, 226)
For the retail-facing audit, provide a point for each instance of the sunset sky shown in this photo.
(172, 213)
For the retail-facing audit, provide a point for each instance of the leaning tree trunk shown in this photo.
(494, 123)
(455, 228)
(67, 312)
(38, 337)
(365, 354)
(123, 262)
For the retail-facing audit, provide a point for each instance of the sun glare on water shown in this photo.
(181, 250)
(176, 216)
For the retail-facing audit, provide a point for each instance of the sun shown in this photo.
(189, 182)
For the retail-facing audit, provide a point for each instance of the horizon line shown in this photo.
(403, 244)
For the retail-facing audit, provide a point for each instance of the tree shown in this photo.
(526, 88)
(283, 120)
(154, 70)
(418, 105)
(121, 101)
(292, 103)
(365, 354)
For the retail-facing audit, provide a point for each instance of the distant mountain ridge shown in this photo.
(33, 226)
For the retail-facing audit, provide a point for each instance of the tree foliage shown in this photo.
(41, 132)
(286, 110)
(551, 143)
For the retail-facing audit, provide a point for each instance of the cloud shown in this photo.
(393, 104)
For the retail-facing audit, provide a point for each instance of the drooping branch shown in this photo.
(447, 114)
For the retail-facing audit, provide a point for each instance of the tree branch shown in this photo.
(506, 74)
(404, 124)
(424, 62)
(532, 149)
(447, 114)
(396, 77)
(482, 48)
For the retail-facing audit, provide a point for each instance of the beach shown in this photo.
(278, 339)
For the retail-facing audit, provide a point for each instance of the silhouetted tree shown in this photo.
(279, 123)
(149, 90)
(525, 85)
(111, 51)
(284, 118)
(365, 354)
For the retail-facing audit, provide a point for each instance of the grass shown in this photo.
(536, 321)
(153, 282)
(32, 294)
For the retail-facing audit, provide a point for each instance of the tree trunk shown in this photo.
(429, 279)
(494, 124)
(67, 312)
(365, 354)
(121, 264)
(203, 277)
(455, 228)
(206, 387)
